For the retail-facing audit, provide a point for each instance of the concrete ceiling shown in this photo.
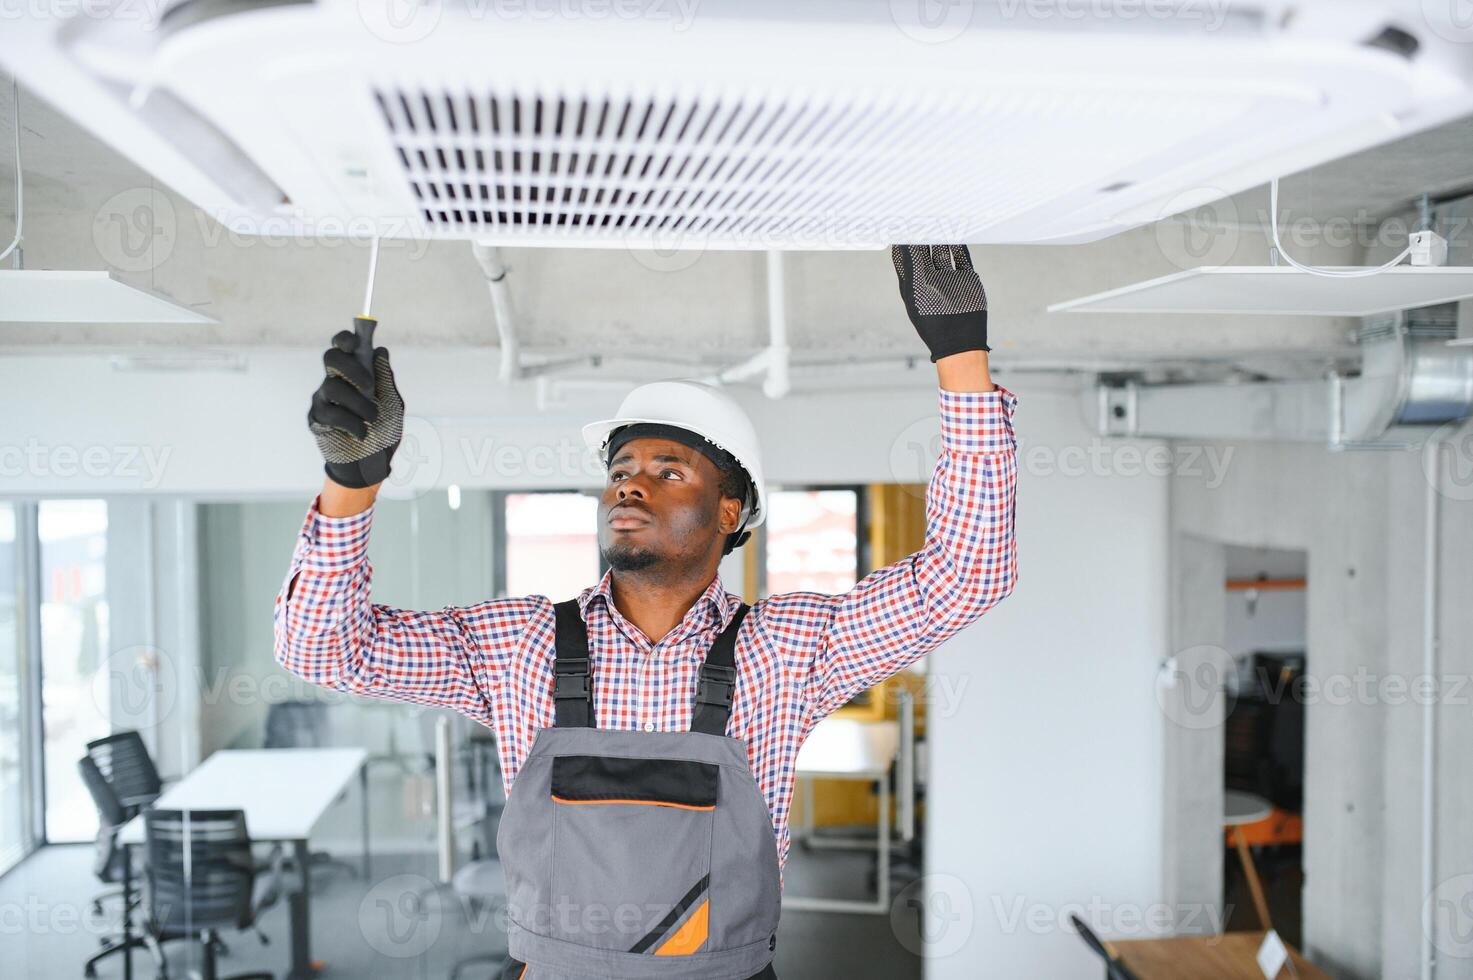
(82, 202)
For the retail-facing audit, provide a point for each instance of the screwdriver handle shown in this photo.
(363, 329)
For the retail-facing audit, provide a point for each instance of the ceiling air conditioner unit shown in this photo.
(734, 123)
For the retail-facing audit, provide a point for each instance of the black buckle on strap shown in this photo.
(717, 685)
(571, 681)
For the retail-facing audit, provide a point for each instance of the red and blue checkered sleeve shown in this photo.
(329, 632)
(897, 614)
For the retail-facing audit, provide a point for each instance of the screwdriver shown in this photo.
(364, 324)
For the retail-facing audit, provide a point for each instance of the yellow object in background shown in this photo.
(897, 527)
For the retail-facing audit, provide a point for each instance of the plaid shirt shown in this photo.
(798, 656)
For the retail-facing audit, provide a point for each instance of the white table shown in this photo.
(284, 794)
(844, 748)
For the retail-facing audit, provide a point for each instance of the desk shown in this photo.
(1230, 956)
(844, 748)
(284, 793)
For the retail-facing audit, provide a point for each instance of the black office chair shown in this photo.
(297, 725)
(107, 864)
(123, 760)
(201, 877)
(122, 779)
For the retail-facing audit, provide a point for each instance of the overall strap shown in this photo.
(718, 680)
(572, 694)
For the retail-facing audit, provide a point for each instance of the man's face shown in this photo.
(662, 504)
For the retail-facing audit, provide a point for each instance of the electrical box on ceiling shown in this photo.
(735, 123)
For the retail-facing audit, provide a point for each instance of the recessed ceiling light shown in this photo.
(1281, 290)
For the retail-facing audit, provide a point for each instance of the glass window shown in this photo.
(551, 544)
(12, 790)
(74, 621)
(812, 541)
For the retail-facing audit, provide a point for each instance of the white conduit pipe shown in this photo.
(1430, 580)
(777, 383)
(494, 269)
(773, 359)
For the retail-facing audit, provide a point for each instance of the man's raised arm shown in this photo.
(897, 614)
(327, 629)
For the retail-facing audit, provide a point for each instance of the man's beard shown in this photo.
(628, 558)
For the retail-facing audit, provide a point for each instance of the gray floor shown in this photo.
(375, 930)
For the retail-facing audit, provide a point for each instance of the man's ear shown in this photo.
(731, 514)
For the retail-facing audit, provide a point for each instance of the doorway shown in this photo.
(1264, 634)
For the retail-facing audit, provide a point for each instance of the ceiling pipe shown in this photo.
(493, 267)
(777, 383)
(1410, 381)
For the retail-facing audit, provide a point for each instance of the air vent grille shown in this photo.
(748, 169)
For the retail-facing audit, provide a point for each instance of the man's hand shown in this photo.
(357, 416)
(943, 296)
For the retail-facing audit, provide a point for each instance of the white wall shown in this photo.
(1045, 794)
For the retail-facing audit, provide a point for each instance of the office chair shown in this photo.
(107, 864)
(297, 725)
(303, 725)
(122, 780)
(123, 760)
(201, 878)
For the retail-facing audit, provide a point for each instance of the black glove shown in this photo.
(943, 297)
(357, 416)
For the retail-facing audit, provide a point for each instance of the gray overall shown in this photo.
(638, 854)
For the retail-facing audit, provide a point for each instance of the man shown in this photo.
(648, 729)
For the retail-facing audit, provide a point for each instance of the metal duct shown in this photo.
(1411, 381)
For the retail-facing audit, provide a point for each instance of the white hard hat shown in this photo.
(697, 407)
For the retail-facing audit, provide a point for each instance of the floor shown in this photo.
(378, 930)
